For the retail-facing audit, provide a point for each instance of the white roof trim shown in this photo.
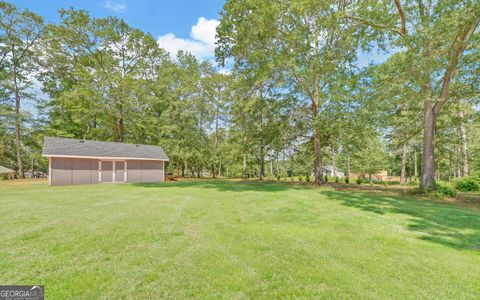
(104, 157)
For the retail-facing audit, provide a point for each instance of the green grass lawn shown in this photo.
(227, 239)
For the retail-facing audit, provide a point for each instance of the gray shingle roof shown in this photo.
(5, 170)
(53, 146)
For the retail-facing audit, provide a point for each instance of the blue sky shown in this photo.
(176, 24)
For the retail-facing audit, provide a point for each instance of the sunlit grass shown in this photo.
(226, 239)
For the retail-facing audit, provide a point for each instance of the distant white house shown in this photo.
(328, 171)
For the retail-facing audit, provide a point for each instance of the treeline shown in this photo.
(295, 100)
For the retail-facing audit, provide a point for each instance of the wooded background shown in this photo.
(296, 98)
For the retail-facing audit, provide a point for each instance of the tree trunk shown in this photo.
(32, 168)
(450, 166)
(459, 168)
(18, 123)
(244, 172)
(317, 164)
(118, 122)
(119, 130)
(220, 167)
(428, 160)
(348, 165)
(261, 171)
(403, 175)
(463, 139)
(415, 165)
(215, 143)
(334, 165)
(317, 147)
(271, 162)
(430, 111)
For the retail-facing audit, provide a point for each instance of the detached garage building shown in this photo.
(74, 161)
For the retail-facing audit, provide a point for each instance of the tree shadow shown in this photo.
(224, 185)
(437, 222)
(449, 225)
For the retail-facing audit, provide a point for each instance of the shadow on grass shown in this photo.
(224, 185)
(445, 224)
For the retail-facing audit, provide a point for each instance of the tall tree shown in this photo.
(20, 30)
(99, 69)
(435, 35)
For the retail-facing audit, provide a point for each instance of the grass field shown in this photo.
(227, 239)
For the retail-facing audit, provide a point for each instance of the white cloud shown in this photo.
(201, 42)
(118, 7)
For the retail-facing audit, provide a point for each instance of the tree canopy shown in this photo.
(297, 97)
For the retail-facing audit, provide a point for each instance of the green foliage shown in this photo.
(337, 179)
(307, 178)
(326, 178)
(347, 180)
(467, 184)
(300, 178)
(358, 180)
(444, 189)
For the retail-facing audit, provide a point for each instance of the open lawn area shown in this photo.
(234, 239)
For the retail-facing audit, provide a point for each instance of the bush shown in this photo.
(467, 184)
(444, 189)
(300, 178)
(278, 177)
(347, 180)
(307, 178)
(336, 179)
(475, 175)
(359, 180)
(326, 178)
